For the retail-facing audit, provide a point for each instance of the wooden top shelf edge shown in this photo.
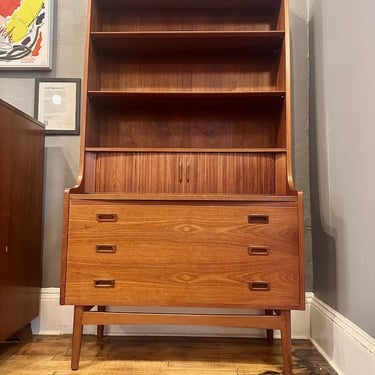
(186, 150)
(186, 34)
(184, 197)
(265, 5)
(213, 94)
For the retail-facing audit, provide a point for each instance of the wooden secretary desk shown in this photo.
(185, 197)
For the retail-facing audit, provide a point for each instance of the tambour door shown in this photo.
(138, 172)
(228, 173)
(190, 172)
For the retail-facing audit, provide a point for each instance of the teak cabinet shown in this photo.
(185, 197)
(21, 202)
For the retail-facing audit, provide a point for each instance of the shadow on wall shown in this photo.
(324, 244)
(300, 145)
(58, 175)
(324, 238)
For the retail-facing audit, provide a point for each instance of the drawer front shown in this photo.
(251, 225)
(235, 284)
(175, 255)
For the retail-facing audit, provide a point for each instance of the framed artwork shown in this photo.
(26, 34)
(57, 105)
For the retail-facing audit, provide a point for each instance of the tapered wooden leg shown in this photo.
(77, 336)
(286, 341)
(100, 328)
(269, 331)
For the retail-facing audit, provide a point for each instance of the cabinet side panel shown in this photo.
(21, 264)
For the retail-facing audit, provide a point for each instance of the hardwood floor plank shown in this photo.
(50, 355)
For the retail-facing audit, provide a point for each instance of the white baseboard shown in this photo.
(348, 349)
(56, 320)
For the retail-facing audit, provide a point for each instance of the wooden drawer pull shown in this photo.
(259, 250)
(259, 285)
(187, 172)
(106, 217)
(105, 248)
(180, 171)
(258, 219)
(104, 283)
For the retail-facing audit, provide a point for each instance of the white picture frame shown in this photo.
(26, 34)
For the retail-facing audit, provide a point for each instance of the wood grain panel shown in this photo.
(215, 71)
(202, 173)
(214, 285)
(138, 172)
(180, 122)
(163, 215)
(90, 171)
(161, 249)
(181, 229)
(173, 248)
(22, 154)
(230, 173)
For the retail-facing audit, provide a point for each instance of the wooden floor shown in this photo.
(50, 355)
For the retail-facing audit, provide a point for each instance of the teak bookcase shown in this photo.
(185, 197)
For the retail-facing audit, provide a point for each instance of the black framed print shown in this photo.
(57, 105)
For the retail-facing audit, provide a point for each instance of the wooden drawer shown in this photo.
(179, 255)
(186, 284)
(203, 224)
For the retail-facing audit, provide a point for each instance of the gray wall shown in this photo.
(342, 154)
(299, 14)
(63, 152)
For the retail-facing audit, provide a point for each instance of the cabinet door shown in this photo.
(229, 173)
(190, 173)
(22, 156)
(5, 163)
(139, 172)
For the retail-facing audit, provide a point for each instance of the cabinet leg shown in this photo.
(77, 336)
(100, 328)
(286, 341)
(269, 331)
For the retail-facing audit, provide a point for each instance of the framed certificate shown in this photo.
(57, 105)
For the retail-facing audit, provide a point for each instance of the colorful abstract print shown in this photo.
(20, 28)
